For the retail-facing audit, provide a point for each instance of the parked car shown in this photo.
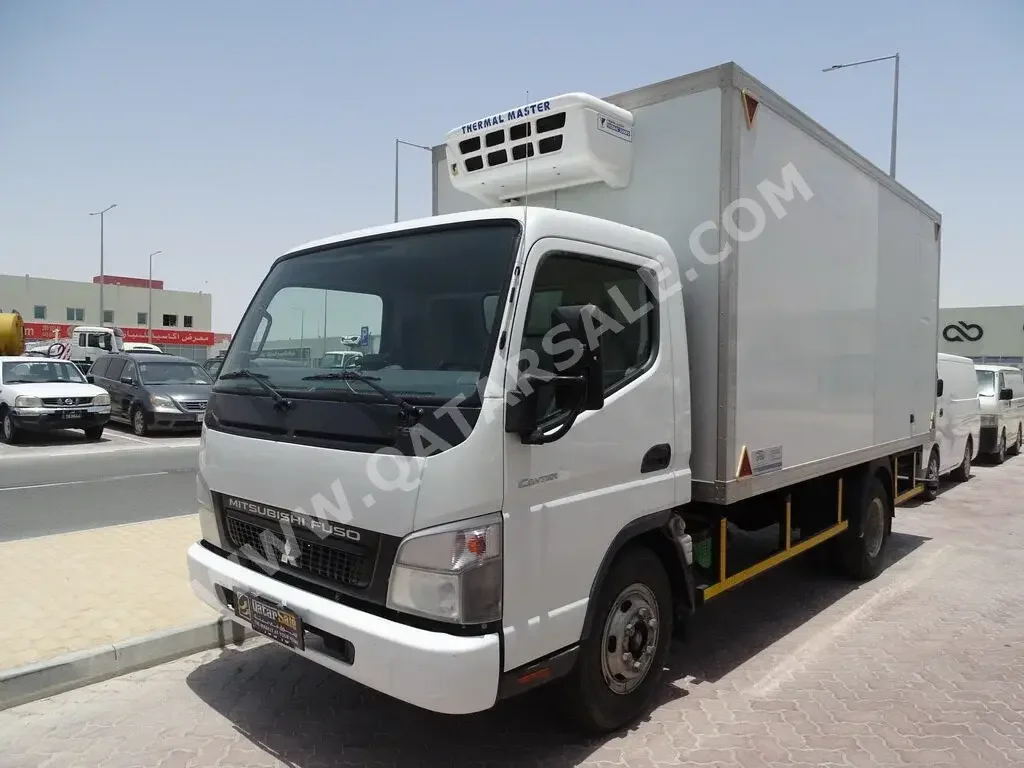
(957, 422)
(141, 346)
(1001, 389)
(153, 391)
(342, 359)
(43, 394)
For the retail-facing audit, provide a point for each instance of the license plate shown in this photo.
(200, 416)
(271, 620)
(71, 414)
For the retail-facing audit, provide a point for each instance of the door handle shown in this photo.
(657, 457)
(941, 411)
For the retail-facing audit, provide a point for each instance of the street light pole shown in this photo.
(398, 143)
(149, 313)
(101, 215)
(895, 99)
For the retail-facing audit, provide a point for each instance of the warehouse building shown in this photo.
(181, 321)
(993, 335)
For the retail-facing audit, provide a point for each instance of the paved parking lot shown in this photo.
(923, 666)
(72, 441)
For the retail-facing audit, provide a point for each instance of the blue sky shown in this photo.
(228, 132)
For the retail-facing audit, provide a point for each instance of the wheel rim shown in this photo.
(630, 639)
(967, 459)
(1002, 446)
(933, 470)
(138, 422)
(874, 527)
(8, 426)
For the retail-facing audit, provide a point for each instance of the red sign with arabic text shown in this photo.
(44, 331)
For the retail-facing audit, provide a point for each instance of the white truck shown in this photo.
(83, 345)
(637, 333)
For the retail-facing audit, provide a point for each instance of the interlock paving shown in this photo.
(922, 666)
(75, 591)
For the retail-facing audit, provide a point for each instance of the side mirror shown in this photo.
(576, 385)
(127, 380)
(90, 378)
(938, 388)
(1006, 394)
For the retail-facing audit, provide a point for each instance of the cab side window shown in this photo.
(627, 315)
(130, 371)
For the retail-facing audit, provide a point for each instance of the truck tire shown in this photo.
(931, 477)
(8, 432)
(963, 473)
(620, 663)
(93, 433)
(861, 548)
(1015, 451)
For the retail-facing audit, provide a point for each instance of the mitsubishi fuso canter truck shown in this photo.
(646, 348)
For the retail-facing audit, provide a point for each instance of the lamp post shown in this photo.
(895, 99)
(149, 313)
(398, 143)
(302, 330)
(101, 215)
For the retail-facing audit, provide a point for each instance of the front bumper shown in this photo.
(434, 670)
(173, 420)
(46, 419)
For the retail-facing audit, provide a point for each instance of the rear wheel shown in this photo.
(963, 473)
(620, 664)
(861, 548)
(931, 477)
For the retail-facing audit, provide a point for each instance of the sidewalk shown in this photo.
(77, 591)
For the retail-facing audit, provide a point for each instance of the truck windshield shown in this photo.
(411, 305)
(986, 383)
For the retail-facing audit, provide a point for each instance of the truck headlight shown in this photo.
(452, 573)
(103, 399)
(27, 401)
(162, 403)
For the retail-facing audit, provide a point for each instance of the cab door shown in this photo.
(567, 500)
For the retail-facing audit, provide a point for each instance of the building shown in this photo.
(51, 308)
(986, 334)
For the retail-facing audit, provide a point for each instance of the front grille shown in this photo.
(193, 405)
(318, 559)
(65, 401)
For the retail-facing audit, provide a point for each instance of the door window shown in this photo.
(626, 323)
(114, 371)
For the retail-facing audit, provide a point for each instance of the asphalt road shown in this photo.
(46, 489)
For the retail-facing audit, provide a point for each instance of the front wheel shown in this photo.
(93, 433)
(861, 548)
(621, 662)
(139, 426)
(9, 433)
(1000, 455)
(1015, 451)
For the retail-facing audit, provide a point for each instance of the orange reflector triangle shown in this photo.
(750, 104)
(743, 468)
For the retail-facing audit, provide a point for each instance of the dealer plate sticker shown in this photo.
(271, 620)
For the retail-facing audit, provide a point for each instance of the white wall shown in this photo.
(24, 293)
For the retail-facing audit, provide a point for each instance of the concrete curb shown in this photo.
(65, 673)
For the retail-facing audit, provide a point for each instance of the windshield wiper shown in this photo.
(281, 402)
(411, 411)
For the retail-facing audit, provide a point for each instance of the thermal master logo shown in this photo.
(314, 524)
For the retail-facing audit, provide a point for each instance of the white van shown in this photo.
(1001, 390)
(957, 422)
